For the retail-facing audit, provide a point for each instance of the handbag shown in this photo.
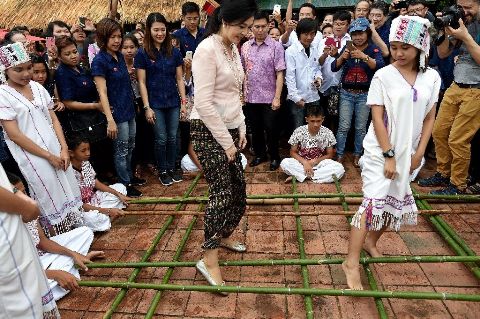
(333, 100)
(91, 124)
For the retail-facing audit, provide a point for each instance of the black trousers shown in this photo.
(264, 120)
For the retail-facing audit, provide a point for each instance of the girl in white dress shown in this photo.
(402, 98)
(35, 139)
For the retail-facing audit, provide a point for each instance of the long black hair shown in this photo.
(166, 47)
(231, 11)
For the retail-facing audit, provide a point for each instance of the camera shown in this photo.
(450, 17)
(401, 5)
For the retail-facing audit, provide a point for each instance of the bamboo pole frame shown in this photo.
(118, 299)
(366, 267)
(308, 301)
(288, 291)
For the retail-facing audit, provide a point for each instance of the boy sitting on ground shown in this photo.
(312, 150)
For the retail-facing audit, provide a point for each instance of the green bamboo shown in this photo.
(199, 199)
(293, 262)
(452, 233)
(301, 246)
(168, 274)
(446, 236)
(371, 279)
(289, 291)
(118, 299)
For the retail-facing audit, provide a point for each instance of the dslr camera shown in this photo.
(450, 17)
(401, 5)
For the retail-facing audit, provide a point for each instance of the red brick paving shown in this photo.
(275, 237)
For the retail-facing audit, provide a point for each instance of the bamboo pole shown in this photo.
(450, 241)
(366, 267)
(168, 274)
(198, 199)
(291, 262)
(288, 291)
(118, 299)
(289, 213)
(301, 247)
(452, 233)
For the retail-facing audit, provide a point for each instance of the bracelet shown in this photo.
(183, 101)
(15, 190)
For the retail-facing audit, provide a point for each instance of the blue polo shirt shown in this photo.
(187, 41)
(75, 86)
(384, 31)
(161, 77)
(119, 87)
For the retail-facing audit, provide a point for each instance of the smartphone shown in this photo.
(50, 42)
(277, 8)
(81, 21)
(270, 17)
(189, 55)
(295, 16)
(350, 45)
(330, 41)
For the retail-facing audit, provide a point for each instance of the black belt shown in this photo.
(468, 86)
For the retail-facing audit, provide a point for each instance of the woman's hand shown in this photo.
(346, 54)
(150, 116)
(231, 152)
(358, 54)
(55, 161)
(59, 107)
(308, 168)
(390, 168)
(124, 199)
(65, 158)
(333, 51)
(242, 142)
(80, 260)
(112, 130)
(416, 162)
(114, 213)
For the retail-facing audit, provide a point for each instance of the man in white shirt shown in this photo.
(304, 75)
(306, 11)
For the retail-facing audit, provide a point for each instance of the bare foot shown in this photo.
(371, 248)
(353, 276)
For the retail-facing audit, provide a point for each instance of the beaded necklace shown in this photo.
(233, 65)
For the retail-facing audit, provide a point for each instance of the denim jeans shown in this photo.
(123, 147)
(165, 131)
(350, 103)
(298, 113)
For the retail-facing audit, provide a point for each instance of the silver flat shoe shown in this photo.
(206, 274)
(238, 247)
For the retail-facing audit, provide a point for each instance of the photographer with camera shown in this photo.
(459, 116)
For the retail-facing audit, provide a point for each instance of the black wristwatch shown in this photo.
(389, 154)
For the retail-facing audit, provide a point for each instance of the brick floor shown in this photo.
(275, 237)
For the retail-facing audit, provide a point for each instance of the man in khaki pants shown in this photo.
(459, 116)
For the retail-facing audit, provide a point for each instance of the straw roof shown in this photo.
(38, 13)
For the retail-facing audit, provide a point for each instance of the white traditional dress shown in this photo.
(55, 191)
(384, 200)
(86, 179)
(189, 166)
(78, 239)
(311, 147)
(24, 291)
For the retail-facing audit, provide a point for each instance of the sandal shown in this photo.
(473, 189)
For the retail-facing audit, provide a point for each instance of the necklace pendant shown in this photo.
(415, 94)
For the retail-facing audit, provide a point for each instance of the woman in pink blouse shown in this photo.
(218, 128)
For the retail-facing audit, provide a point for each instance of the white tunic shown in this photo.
(385, 200)
(56, 191)
(24, 291)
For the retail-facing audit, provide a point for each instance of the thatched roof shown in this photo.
(38, 13)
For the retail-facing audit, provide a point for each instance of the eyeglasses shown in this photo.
(416, 11)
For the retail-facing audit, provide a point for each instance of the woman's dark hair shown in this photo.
(327, 25)
(306, 25)
(309, 5)
(190, 7)
(314, 110)
(37, 59)
(62, 43)
(342, 15)
(74, 141)
(13, 179)
(131, 37)
(380, 5)
(231, 11)
(142, 24)
(8, 37)
(166, 47)
(61, 24)
(20, 28)
(105, 28)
